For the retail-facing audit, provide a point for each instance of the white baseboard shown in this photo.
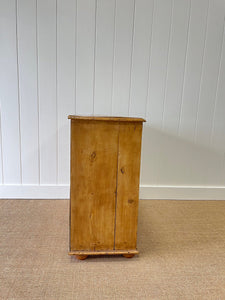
(182, 192)
(146, 192)
(34, 191)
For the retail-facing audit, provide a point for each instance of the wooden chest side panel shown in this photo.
(128, 185)
(93, 184)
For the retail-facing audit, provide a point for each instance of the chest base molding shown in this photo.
(107, 252)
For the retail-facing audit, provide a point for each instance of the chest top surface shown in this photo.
(104, 118)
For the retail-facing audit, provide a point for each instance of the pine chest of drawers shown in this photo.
(104, 193)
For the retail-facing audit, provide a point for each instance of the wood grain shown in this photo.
(93, 184)
(114, 119)
(109, 252)
(128, 185)
(105, 170)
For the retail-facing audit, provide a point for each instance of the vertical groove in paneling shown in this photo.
(18, 85)
(104, 57)
(193, 69)
(147, 100)
(153, 137)
(113, 60)
(217, 86)
(93, 101)
(38, 104)
(210, 72)
(66, 48)
(75, 59)
(85, 56)
(47, 90)
(177, 64)
(185, 67)
(173, 91)
(218, 129)
(123, 46)
(131, 57)
(159, 53)
(56, 86)
(202, 63)
(38, 97)
(27, 86)
(167, 63)
(140, 57)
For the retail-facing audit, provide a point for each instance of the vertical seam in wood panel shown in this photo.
(113, 60)
(185, 67)
(1, 144)
(56, 88)
(118, 139)
(38, 104)
(167, 63)
(147, 100)
(93, 104)
(18, 87)
(202, 63)
(217, 85)
(131, 57)
(75, 59)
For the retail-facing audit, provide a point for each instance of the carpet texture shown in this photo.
(181, 244)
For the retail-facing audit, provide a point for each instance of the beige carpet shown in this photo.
(181, 243)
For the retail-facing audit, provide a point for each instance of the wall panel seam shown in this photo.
(113, 60)
(201, 76)
(94, 71)
(75, 60)
(18, 90)
(131, 56)
(217, 84)
(167, 64)
(56, 95)
(185, 67)
(38, 103)
(147, 100)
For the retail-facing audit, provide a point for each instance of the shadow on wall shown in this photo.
(172, 160)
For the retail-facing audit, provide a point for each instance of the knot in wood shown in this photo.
(122, 170)
(93, 156)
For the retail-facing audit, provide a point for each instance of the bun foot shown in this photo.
(128, 255)
(81, 257)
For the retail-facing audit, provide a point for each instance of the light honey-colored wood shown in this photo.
(105, 168)
(128, 255)
(81, 257)
(128, 185)
(93, 184)
(111, 119)
(109, 252)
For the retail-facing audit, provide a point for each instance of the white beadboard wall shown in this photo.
(163, 60)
